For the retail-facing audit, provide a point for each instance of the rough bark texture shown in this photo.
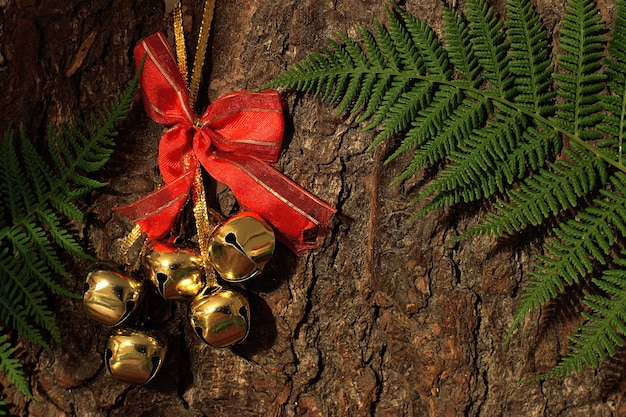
(381, 320)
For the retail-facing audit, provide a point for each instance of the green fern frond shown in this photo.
(614, 103)
(527, 156)
(472, 111)
(402, 109)
(390, 70)
(530, 59)
(458, 44)
(567, 181)
(512, 144)
(577, 244)
(408, 53)
(11, 295)
(489, 44)
(548, 192)
(354, 88)
(580, 82)
(589, 237)
(62, 237)
(38, 198)
(449, 101)
(605, 328)
(434, 57)
(486, 104)
(11, 366)
(16, 198)
(429, 121)
(483, 152)
(45, 249)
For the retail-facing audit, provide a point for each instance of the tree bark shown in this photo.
(381, 320)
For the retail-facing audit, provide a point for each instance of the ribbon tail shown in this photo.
(157, 212)
(297, 216)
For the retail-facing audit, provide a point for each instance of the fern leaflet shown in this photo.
(605, 328)
(11, 366)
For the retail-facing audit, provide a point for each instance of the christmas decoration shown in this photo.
(175, 272)
(240, 247)
(134, 356)
(220, 316)
(233, 141)
(110, 297)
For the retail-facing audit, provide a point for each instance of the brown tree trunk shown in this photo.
(382, 320)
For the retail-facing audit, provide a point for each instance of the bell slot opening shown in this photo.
(130, 306)
(161, 279)
(200, 333)
(108, 354)
(232, 239)
(156, 364)
(243, 310)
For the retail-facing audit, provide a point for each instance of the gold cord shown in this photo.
(128, 243)
(204, 223)
(179, 36)
(198, 60)
(206, 218)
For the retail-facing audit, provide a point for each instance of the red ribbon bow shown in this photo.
(232, 140)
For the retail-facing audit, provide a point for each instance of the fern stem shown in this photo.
(622, 125)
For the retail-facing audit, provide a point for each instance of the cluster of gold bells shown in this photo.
(237, 249)
(219, 313)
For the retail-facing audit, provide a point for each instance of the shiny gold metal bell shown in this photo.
(110, 297)
(240, 247)
(134, 357)
(175, 272)
(220, 317)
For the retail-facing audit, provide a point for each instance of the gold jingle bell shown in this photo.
(134, 357)
(220, 317)
(175, 272)
(110, 297)
(240, 247)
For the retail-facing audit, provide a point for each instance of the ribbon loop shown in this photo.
(232, 140)
(165, 95)
(246, 123)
